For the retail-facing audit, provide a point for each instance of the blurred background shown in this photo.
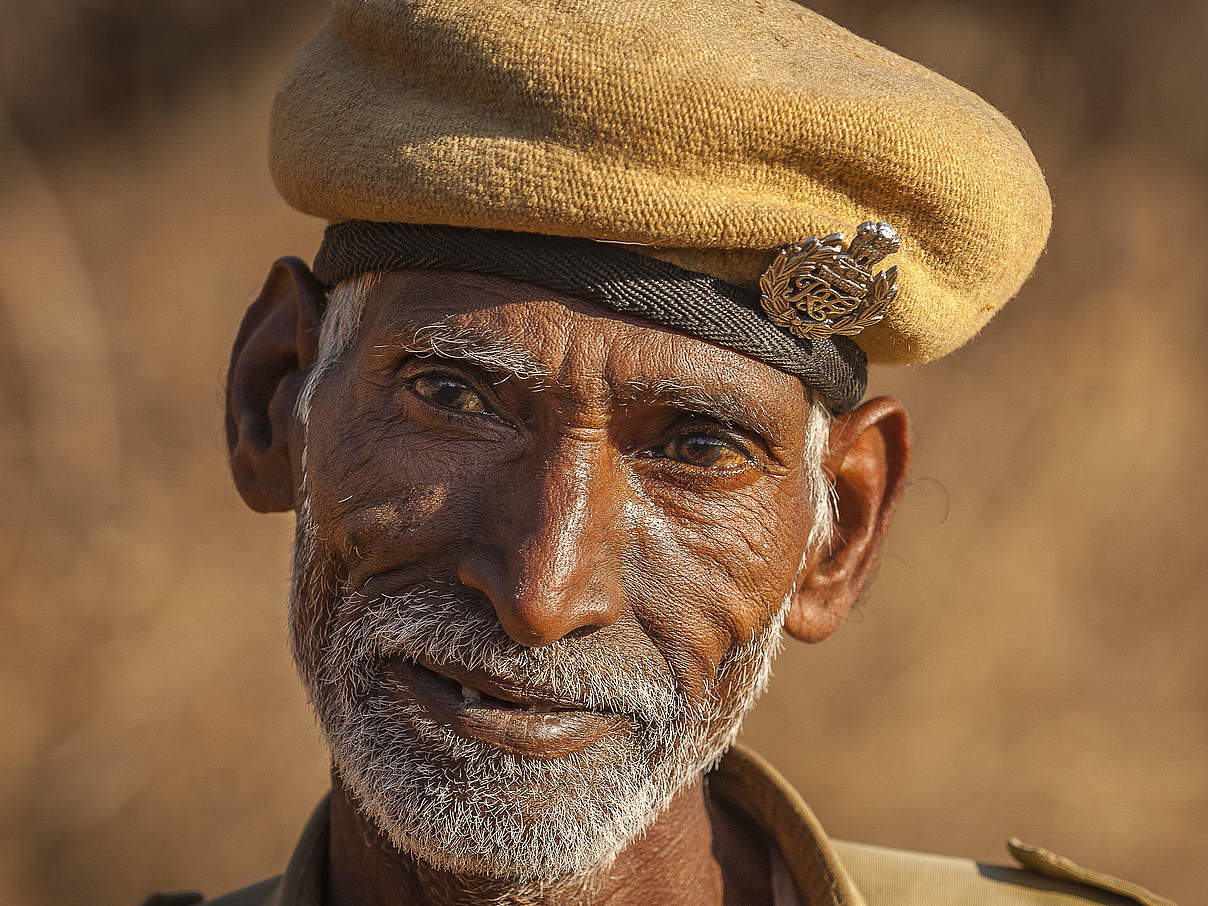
(1031, 659)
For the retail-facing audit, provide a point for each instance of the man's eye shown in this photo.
(448, 393)
(706, 451)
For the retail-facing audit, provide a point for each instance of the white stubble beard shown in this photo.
(468, 807)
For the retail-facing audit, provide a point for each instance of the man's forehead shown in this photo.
(562, 342)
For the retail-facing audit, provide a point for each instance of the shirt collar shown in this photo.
(749, 782)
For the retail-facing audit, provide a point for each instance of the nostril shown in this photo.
(525, 634)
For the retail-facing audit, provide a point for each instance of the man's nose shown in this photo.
(549, 562)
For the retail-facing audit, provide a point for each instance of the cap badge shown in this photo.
(818, 288)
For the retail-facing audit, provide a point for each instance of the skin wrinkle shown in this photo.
(457, 342)
(345, 308)
(743, 575)
(435, 620)
(507, 361)
(700, 653)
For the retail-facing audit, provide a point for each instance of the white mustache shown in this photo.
(433, 624)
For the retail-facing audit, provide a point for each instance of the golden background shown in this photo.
(1031, 659)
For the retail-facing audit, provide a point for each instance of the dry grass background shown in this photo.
(1031, 659)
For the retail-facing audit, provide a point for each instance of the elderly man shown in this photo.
(569, 415)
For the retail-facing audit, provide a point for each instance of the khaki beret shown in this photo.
(709, 134)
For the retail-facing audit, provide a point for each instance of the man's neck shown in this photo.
(693, 854)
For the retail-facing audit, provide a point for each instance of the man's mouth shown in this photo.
(503, 713)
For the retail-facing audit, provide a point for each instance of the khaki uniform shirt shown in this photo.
(808, 868)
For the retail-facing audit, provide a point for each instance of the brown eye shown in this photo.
(706, 451)
(448, 393)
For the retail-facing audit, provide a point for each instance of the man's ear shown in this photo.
(867, 459)
(277, 344)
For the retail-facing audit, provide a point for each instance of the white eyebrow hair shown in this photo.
(479, 347)
(498, 356)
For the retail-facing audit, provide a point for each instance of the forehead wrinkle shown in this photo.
(588, 374)
(695, 375)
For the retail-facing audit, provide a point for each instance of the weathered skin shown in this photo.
(584, 505)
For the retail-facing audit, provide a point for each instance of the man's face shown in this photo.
(543, 560)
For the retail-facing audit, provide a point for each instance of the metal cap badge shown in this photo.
(818, 288)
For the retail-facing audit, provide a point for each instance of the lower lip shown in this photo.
(537, 734)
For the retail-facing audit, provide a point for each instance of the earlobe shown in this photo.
(276, 345)
(867, 459)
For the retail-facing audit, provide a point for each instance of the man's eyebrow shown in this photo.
(478, 347)
(488, 351)
(722, 405)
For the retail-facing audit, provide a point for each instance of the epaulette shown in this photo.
(891, 877)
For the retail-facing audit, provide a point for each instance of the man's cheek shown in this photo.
(373, 517)
(693, 596)
(759, 553)
(699, 627)
(392, 533)
(750, 557)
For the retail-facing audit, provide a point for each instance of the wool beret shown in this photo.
(707, 135)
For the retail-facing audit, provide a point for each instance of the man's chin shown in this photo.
(464, 805)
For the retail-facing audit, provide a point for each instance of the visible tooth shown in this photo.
(470, 696)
